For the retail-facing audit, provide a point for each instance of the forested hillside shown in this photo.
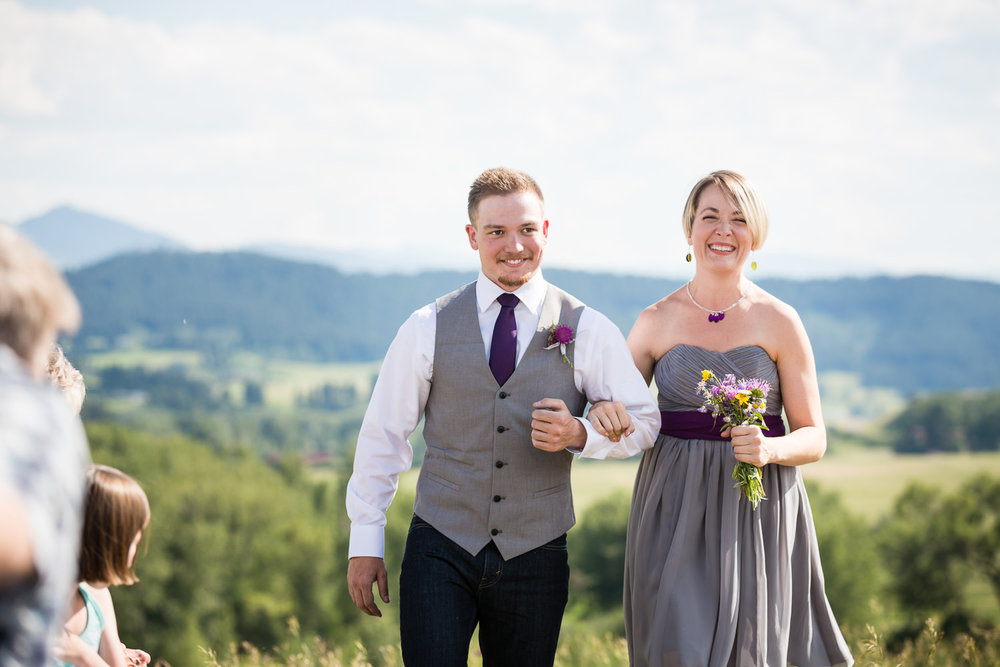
(237, 550)
(244, 455)
(912, 334)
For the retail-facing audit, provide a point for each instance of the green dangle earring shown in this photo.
(688, 256)
(753, 260)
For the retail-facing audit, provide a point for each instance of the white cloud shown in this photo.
(857, 120)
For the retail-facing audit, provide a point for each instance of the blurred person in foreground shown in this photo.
(501, 370)
(709, 580)
(43, 454)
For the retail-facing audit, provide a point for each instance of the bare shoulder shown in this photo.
(657, 317)
(100, 595)
(774, 308)
(661, 311)
(781, 324)
(655, 330)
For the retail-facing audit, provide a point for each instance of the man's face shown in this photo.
(510, 232)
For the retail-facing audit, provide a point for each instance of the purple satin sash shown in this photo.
(696, 425)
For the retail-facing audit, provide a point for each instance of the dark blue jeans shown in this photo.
(444, 591)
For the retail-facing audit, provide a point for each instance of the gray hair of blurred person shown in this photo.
(36, 302)
(67, 378)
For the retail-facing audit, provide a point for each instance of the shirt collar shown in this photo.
(531, 294)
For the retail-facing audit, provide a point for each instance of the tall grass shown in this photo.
(578, 648)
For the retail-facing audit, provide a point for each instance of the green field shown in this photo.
(282, 380)
(144, 358)
(868, 480)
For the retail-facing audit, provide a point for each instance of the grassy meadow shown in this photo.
(282, 380)
(867, 480)
(866, 475)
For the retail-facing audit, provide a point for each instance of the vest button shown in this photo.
(494, 532)
(503, 394)
(499, 464)
(501, 429)
(496, 499)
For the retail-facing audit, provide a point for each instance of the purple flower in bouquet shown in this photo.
(740, 403)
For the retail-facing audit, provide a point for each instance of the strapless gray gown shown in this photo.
(708, 580)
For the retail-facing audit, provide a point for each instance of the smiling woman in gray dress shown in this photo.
(708, 579)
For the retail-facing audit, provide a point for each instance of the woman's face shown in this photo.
(720, 236)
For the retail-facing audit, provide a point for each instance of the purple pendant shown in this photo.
(716, 317)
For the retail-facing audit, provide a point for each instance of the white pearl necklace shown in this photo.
(713, 315)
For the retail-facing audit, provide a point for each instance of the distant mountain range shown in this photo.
(913, 334)
(75, 238)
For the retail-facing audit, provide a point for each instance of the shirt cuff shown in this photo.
(600, 448)
(367, 541)
(592, 436)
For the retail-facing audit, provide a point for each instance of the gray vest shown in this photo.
(481, 478)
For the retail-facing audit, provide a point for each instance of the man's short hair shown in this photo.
(500, 181)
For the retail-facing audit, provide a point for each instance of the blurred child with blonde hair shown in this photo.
(67, 378)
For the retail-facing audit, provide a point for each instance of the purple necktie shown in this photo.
(503, 349)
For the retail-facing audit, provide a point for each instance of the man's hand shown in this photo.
(362, 572)
(554, 428)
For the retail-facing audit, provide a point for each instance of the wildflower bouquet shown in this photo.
(740, 403)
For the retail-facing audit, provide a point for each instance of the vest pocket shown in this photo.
(438, 479)
(550, 491)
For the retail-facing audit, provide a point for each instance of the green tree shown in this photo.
(597, 553)
(948, 422)
(234, 549)
(852, 569)
(973, 517)
(933, 542)
(253, 393)
(917, 553)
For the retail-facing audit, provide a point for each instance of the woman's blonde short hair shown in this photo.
(115, 510)
(34, 296)
(744, 197)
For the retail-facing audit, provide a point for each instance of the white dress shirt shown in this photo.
(602, 367)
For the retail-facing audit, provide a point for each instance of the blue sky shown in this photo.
(872, 127)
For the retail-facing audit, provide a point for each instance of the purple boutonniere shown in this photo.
(560, 336)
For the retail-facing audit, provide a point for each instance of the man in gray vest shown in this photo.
(501, 371)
